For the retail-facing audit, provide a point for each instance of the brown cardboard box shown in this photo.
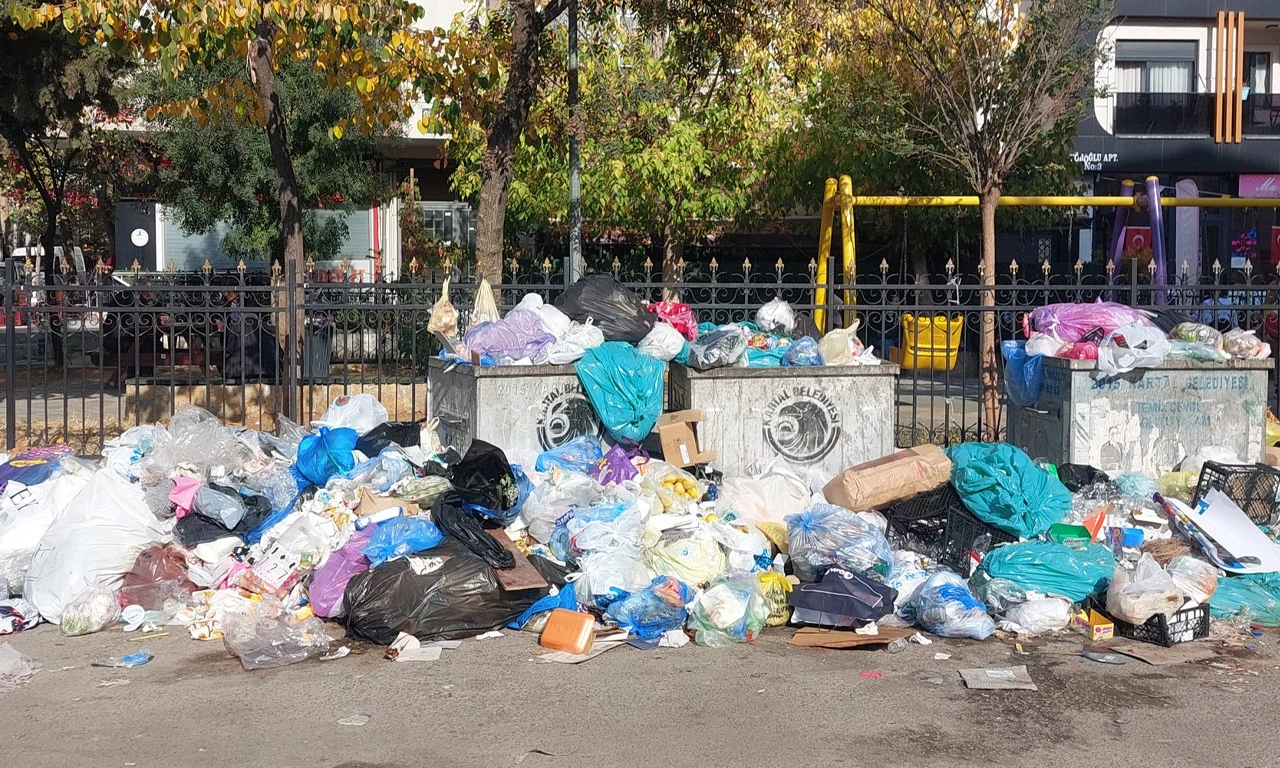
(369, 504)
(890, 478)
(680, 440)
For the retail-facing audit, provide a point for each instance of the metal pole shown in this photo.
(11, 340)
(576, 267)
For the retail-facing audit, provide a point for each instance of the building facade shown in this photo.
(1189, 93)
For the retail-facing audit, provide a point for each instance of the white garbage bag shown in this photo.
(93, 544)
(663, 343)
(360, 412)
(1130, 347)
(25, 515)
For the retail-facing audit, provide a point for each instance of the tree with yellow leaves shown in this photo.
(368, 47)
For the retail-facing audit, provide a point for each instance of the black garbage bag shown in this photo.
(841, 599)
(616, 311)
(1077, 476)
(458, 524)
(405, 434)
(484, 478)
(460, 599)
(196, 529)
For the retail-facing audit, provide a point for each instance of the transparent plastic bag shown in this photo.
(802, 352)
(1178, 485)
(1039, 616)
(694, 560)
(267, 635)
(775, 588)
(570, 347)
(1131, 347)
(517, 337)
(609, 525)
(677, 490)
(841, 346)
(825, 535)
(93, 610)
(557, 495)
(717, 349)
(654, 610)
(1197, 333)
(945, 607)
(732, 610)
(1193, 577)
(1245, 345)
(485, 309)
(608, 574)
(578, 455)
(776, 316)
(1137, 595)
(444, 318)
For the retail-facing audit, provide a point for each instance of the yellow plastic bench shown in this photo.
(928, 343)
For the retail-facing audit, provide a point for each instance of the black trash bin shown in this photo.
(317, 349)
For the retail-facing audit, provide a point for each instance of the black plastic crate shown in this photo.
(1186, 625)
(940, 522)
(1254, 487)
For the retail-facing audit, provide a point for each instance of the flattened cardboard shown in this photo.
(999, 679)
(890, 478)
(679, 439)
(814, 637)
(1159, 656)
(370, 504)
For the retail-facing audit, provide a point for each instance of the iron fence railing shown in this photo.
(86, 361)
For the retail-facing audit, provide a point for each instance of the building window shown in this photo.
(1257, 70)
(1155, 67)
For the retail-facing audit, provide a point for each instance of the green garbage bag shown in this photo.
(1257, 593)
(1062, 570)
(625, 388)
(1003, 487)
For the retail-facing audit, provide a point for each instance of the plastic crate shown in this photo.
(1254, 487)
(1186, 625)
(939, 520)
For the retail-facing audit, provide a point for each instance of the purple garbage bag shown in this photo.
(1072, 322)
(330, 580)
(517, 336)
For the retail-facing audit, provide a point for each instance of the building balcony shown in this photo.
(1261, 115)
(1163, 114)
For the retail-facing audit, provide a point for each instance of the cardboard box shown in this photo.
(1273, 457)
(680, 440)
(891, 478)
(370, 504)
(1093, 625)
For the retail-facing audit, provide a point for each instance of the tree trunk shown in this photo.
(503, 137)
(49, 264)
(990, 376)
(672, 255)
(264, 78)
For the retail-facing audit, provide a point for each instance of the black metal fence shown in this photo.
(85, 362)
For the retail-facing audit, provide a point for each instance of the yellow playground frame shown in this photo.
(839, 196)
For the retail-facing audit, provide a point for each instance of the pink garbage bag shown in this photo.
(330, 580)
(1071, 322)
(517, 336)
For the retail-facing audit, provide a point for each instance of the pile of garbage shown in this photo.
(1121, 339)
(279, 544)
(597, 311)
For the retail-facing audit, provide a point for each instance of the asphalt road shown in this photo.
(491, 703)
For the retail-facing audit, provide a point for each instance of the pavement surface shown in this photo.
(491, 703)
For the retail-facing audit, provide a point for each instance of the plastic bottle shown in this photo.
(898, 646)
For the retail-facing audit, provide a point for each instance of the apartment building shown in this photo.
(1191, 94)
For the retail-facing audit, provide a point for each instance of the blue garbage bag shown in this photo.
(804, 351)
(1003, 487)
(1023, 373)
(1062, 570)
(578, 455)
(524, 487)
(625, 388)
(945, 607)
(401, 536)
(566, 598)
(652, 611)
(327, 453)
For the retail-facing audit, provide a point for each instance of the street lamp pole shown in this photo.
(576, 266)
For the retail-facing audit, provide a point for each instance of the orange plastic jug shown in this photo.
(569, 631)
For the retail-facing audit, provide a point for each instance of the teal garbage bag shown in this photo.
(625, 388)
(1003, 487)
(1055, 569)
(328, 453)
(1257, 594)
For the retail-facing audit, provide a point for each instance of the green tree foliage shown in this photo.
(55, 94)
(219, 168)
